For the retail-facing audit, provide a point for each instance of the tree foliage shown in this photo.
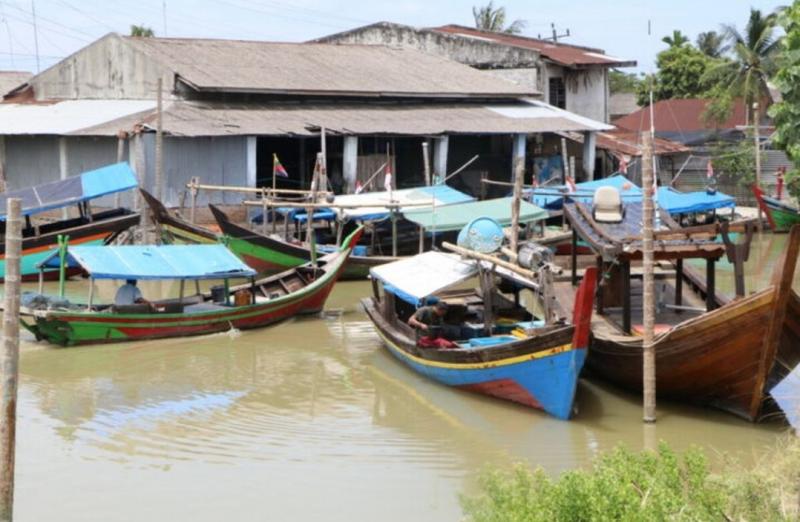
(786, 113)
(489, 18)
(735, 162)
(619, 81)
(676, 39)
(681, 74)
(711, 43)
(142, 30)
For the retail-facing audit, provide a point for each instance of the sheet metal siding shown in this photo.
(215, 160)
(109, 68)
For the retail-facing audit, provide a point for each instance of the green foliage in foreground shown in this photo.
(623, 485)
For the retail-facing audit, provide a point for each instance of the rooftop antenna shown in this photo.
(555, 36)
(35, 35)
(164, 15)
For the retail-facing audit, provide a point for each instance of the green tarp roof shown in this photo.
(455, 217)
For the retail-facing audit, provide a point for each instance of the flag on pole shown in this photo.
(387, 179)
(571, 184)
(359, 186)
(277, 168)
(623, 164)
(710, 170)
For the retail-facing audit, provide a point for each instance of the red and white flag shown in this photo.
(710, 170)
(277, 168)
(359, 186)
(387, 179)
(571, 184)
(623, 164)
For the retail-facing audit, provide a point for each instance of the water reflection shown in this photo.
(309, 419)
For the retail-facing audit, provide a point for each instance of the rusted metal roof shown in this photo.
(320, 69)
(621, 142)
(12, 79)
(185, 118)
(680, 116)
(563, 54)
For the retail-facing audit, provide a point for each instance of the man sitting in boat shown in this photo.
(129, 294)
(430, 319)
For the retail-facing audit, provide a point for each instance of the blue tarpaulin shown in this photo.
(671, 200)
(676, 202)
(71, 191)
(154, 262)
(551, 198)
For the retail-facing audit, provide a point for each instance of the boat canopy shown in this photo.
(676, 202)
(456, 217)
(153, 262)
(372, 205)
(415, 278)
(552, 197)
(73, 190)
(671, 200)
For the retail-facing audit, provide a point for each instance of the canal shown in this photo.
(307, 420)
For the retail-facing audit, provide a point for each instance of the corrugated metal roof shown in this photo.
(313, 68)
(67, 117)
(218, 119)
(681, 116)
(12, 79)
(629, 143)
(564, 54)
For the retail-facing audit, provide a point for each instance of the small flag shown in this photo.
(710, 170)
(359, 186)
(571, 184)
(387, 180)
(623, 165)
(277, 168)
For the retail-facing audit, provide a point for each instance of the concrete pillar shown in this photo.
(251, 161)
(3, 171)
(519, 150)
(63, 166)
(350, 163)
(589, 149)
(440, 149)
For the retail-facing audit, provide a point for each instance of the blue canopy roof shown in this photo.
(73, 190)
(153, 262)
(676, 202)
(551, 198)
(671, 200)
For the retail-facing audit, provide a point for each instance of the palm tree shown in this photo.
(678, 39)
(141, 30)
(711, 43)
(488, 18)
(753, 59)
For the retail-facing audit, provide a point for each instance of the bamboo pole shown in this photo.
(529, 274)
(10, 359)
(519, 175)
(310, 209)
(296, 204)
(649, 310)
(756, 140)
(193, 190)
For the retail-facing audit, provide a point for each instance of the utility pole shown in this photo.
(555, 36)
(649, 306)
(9, 359)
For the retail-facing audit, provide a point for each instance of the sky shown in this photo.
(619, 27)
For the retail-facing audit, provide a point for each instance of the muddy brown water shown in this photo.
(308, 420)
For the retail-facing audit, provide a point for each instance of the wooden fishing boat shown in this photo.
(538, 366)
(89, 228)
(719, 356)
(174, 229)
(781, 216)
(269, 255)
(302, 290)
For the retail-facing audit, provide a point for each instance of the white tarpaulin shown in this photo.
(415, 278)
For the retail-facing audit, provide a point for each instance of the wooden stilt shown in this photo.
(711, 283)
(10, 358)
(678, 284)
(649, 302)
(574, 257)
(626, 296)
(519, 174)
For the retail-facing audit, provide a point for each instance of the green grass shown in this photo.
(650, 485)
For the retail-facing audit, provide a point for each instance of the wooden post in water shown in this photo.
(649, 306)
(519, 174)
(10, 359)
(315, 180)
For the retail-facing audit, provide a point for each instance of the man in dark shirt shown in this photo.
(428, 318)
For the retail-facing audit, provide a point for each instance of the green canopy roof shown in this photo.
(455, 217)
